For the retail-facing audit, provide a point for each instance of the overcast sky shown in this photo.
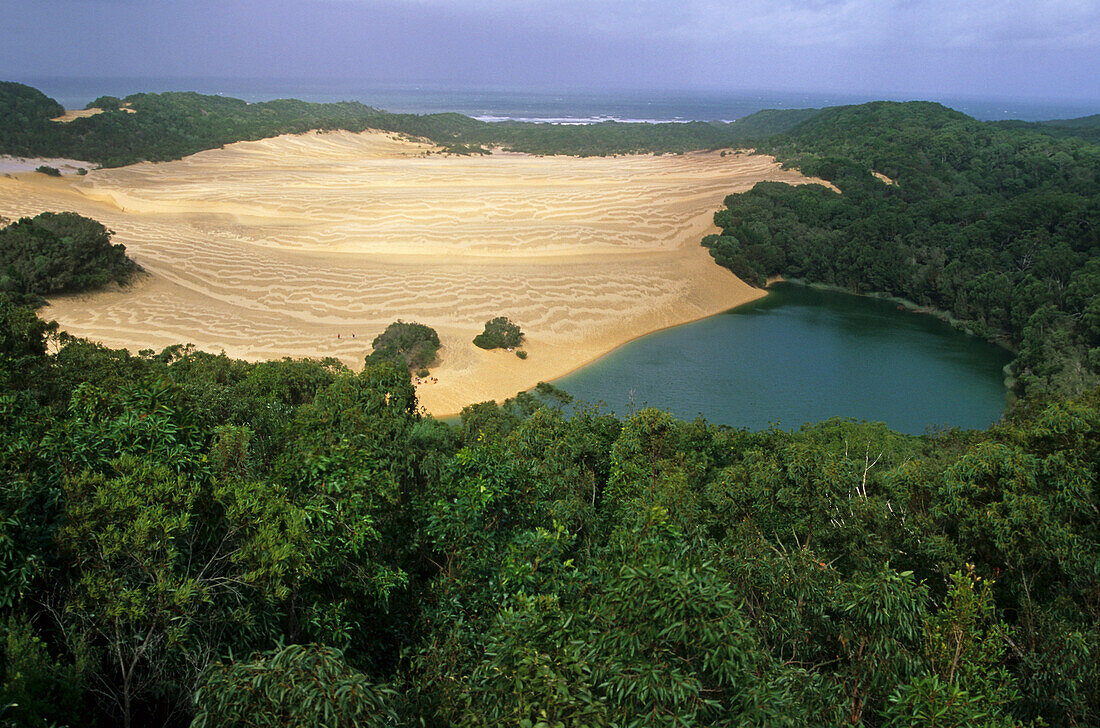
(932, 48)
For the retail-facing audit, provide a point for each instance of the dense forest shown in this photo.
(1087, 127)
(999, 228)
(187, 539)
(160, 127)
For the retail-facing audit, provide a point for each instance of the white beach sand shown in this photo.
(274, 248)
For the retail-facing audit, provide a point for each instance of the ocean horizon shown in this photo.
(540, 106)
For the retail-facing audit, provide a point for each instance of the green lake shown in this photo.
(802, 355)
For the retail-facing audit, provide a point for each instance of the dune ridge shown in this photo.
(277, 247)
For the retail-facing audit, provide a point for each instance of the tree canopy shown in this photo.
(414, 345)
(499, 333)
(58, 253)
(165, 126)
(996, 227)
(187, 537)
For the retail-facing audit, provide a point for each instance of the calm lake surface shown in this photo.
(802, 355)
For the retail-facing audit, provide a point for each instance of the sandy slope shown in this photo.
(273, 248)
(10, 164)
(74, 114)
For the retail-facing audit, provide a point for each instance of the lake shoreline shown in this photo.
(603, 354)
(803, 354)
(914, 307)
(310, 245)
(909, 305)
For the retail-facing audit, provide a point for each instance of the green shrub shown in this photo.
(37, 689)
(297, 685)
(414, 345)
(47, 170)
(521, 353)
(58, 253)
(499, 333)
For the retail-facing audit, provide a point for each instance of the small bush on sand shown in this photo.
(499, 333)
(413, 344)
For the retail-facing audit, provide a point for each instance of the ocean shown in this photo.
(562, 107)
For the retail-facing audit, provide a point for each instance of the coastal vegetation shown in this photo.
(55, 253)
(23, 111)
(165, 126)
(413, 345)
(190, 539)
(996, 227)
(1086, 127)
(185, 536)
(500, 333)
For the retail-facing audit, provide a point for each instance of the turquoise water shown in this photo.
(802, 355)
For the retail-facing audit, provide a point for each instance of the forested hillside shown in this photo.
(22, 108)
(998, 227)
(187, 539)
(165, 126)
(1087, 127)
(184, 537)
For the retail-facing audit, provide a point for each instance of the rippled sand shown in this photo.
(275, 248)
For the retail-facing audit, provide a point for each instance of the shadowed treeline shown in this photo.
(998, 227)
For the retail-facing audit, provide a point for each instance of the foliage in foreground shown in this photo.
(189, 538)
(298, 686)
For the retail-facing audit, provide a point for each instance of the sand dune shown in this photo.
(74, 114)
(273, 248)
(10, 164)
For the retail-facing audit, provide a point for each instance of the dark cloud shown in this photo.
(928, 47)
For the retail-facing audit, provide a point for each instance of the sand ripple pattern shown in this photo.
(274, 248)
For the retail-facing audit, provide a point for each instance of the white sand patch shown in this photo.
(884, 178)
(10, 164)
(74, 114)
(310, 245)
